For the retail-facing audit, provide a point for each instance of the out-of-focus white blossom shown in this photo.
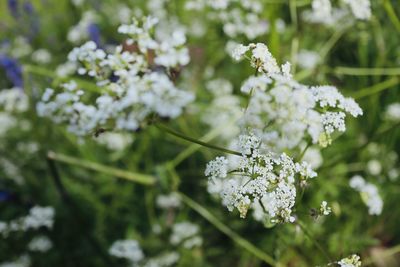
(168, 201)
(361, 9)
(41, 56)
(393, 112)
(40, 244)
(374, 167)
(308, 59)
(163, 260)
(237, 17)
(115, 141)
(13, 100)
(186, 233)
(22, 261)
(127, 249)
(369, 194)
(38, 217)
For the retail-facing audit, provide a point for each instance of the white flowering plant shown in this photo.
(199, 133)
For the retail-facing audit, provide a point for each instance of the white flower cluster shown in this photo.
(127, 249)
(323, 12)
(131, 88)
(308, 59)
(393, 112)
(164, 260)
(171, 201)
(324, 209)
(114, 141)
(12, 102)
(40, 244)
(351, 261)
(237, 16)
(186, 234)
(38, 217)
(22, 261)
(369, 194)
(256, 180)
(361, 9)
(283, 112)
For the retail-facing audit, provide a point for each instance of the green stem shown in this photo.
(331, 42)
(392, 14)
(135, 177)
(193, 140)
(226, 230)
(376, 88)
(194, 147)
(367, 71)
(304, 152)
(315, 241)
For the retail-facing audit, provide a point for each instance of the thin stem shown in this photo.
(315, 241)
(193, 140)
(194, 147)
(226, 230)
(135, 177)
(301, 156)
(392, 14)
(376, 88)
(367, 71)
(331, 42)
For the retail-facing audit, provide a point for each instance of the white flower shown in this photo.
(39, 217)
(164, 260)
(40, 244)
(168, 201)
(324, 209)
(308, 59)
(41, 56)
(239, 51)
(115, 141)
(374, 167)
(351, 261)
(256, 178)
(361, 8)
(127, 249)
(369, 194)
(217, 168)
(22, 261)
(13, 100)
(187, 234)
(137, 92)
(393, 112)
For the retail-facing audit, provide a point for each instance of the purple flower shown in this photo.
(94, 33)
(13, 7)
(13, 70)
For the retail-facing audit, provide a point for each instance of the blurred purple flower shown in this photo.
(94, 33)
(13, 70)
(13, 7)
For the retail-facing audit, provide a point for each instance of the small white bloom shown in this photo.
(127, 249)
